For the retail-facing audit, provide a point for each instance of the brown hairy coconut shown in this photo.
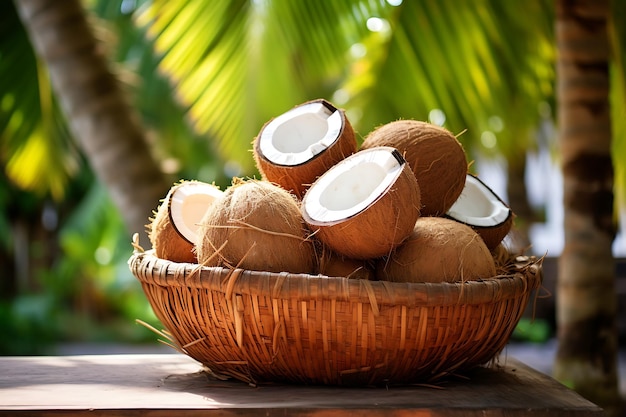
(438, 250)
(256, 225)
(173, 230)
(435, 156)
(365, 205)
(479, 207)
(502, 257)
(333, 264)
(298, 146)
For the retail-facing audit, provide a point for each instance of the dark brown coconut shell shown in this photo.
(378, 228)
(492, 235)
(435, 156)
(257, 226)
(297, 178)
(438, 250)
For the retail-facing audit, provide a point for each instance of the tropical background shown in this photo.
(200, 78)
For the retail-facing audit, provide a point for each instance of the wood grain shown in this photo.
(173, 384)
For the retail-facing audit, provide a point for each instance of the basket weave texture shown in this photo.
(279, 327)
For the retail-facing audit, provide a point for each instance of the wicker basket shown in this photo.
(279, 327)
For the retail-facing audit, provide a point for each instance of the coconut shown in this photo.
(438, 250)
(333, 264)
(483, 210)
(256, 225)
(173, 230)
(365, 205)
(295, 148)
(435, 156)
(502, 257)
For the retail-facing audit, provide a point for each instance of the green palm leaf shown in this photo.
(471, 61)
(204, 48)
(236, 64)
(618, 98)
(35, 148)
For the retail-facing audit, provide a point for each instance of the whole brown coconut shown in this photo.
(257, 225)
(435, 156)
(438, 250)
(172, 231)
(333, 264)
(298, 146)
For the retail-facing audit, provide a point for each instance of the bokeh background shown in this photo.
(203, 76)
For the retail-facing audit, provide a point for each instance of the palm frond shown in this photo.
(473, 62)
(236, 64)
(204, 46)
(618, 97)
(36, 148)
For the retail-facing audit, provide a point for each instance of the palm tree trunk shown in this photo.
(586, 295)
(99, 114)
(518, 201)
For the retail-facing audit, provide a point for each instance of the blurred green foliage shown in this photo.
(205, 76)
(531, 330)
(67, 277)
(86, 293)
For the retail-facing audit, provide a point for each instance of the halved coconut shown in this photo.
(483, 210)
(256, 225)
(438, 250)
(298, 146)
(435, 156)
(174, 229)
(365, 205)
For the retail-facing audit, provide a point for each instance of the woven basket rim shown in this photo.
(521, 274)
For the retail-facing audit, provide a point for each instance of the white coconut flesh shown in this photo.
(188, 203)
(300, 134)
(352, 185)
(479, 206)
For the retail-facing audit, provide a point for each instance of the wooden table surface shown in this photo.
(173, 385)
